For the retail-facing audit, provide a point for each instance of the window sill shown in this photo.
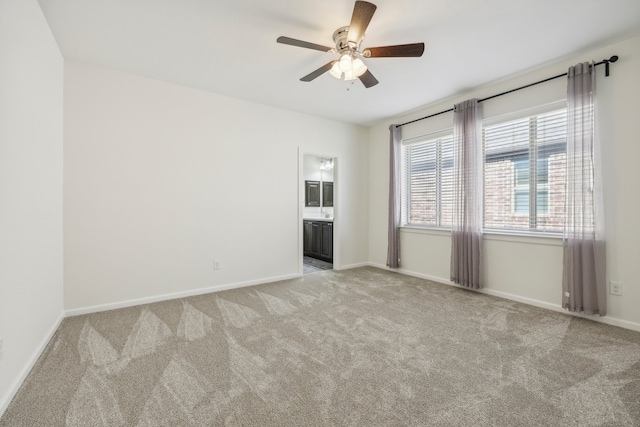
(548, 239)
(425, 230)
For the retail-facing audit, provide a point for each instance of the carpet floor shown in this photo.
(339, 348)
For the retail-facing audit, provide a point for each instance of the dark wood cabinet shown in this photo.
(318, 239)
(308, 236)
(326, 248)
(312, 193)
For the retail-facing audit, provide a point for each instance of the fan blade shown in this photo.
(368, 80)
(362, 13)
(317, 73)
(300, 43)
(400, 50)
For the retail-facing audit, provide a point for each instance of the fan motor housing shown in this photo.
(340, 39)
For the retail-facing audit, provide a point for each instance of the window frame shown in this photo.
(405, 214)
(532, 152)
(534, 185)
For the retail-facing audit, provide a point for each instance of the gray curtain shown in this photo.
(393, 248)
(466, 229)
(584, 262)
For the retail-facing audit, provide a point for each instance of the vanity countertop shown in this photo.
(318, 218)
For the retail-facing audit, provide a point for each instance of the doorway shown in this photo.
(318, 208)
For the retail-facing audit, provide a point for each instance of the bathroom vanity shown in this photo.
(318, 238)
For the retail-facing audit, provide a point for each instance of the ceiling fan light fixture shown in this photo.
(335, 70)
(348, 68)
(358, 67)
(346, 62)
(349, 75)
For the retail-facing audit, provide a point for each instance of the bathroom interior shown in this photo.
(318, 213)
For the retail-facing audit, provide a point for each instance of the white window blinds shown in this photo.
(524, 173)
(427, 182)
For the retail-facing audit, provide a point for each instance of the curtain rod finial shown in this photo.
(614, 58)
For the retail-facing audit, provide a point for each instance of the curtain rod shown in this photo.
(606, 62)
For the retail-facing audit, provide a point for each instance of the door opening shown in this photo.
(318, 213)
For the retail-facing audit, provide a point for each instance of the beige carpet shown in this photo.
(358, 347)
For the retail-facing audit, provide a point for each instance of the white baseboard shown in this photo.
(17, 383)
(350, 266)
(174, 295)
(609, 320)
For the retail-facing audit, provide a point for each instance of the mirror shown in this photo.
(318, 173)
(312, 193)
(327, 194)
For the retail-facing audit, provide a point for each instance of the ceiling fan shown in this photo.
(349, 66)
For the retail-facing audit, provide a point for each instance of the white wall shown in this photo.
(161, 179)
(522, 268)
(31, 68)
(312, 168)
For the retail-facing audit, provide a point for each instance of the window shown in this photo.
(524, 173)
(522, 190)
(427, 181)
(524, 176)
(521, 185)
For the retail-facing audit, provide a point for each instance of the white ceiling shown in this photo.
(229, 46)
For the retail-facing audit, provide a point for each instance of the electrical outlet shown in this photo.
(216, 264)
(615, 288)
(1, 348)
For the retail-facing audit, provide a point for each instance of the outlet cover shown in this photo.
(216, 264)
(615, 288)
(1, 348)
